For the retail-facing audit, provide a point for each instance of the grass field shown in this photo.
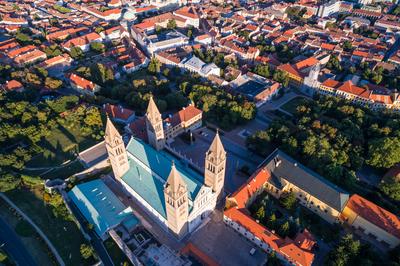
(291, 105)
(61, 145)
(116, 254)
(64, 235)
(33, 244)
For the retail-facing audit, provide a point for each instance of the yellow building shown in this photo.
(372, 221)
(312, 190)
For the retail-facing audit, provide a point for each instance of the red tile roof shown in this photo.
(115, 111)
(184, 115)
(375, 214)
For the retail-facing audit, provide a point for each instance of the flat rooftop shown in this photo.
(101, 207)
(250, 88)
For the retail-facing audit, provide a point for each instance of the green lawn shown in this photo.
(64, 172)
(116, 254)
(291, 105)
(32, 242)
(64, 235)
(61, 145)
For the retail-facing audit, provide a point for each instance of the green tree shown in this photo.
(53, 83)
(384, 152)
(288, 200)
(391, 187)
(8, 182)
(284, 229)
(260, 213)
(76, 52)
(86, 251)
(171, 24)
(97, 47)
(23, 38)
(154, 66)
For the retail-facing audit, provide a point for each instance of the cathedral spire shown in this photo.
(152, 111)
(154, 126)
(116, 150)
(215, 163)
(216, 146)
(111, 132)
(175, 183)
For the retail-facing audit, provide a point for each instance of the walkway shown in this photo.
(38, 230)
(12, 244)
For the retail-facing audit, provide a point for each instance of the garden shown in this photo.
(286, 217)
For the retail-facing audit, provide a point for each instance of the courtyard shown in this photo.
(238, 158)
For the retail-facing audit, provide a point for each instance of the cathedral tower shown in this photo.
(154, 126)
(116, 150)
(176, 203)
(215, 163)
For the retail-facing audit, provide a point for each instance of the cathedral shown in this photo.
(176, 195)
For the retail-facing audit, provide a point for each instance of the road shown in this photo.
(13, 245)
(392, 49)
(38, 230)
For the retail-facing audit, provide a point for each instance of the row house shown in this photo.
(82, 42)
(190, 15)
(62, 34)
(113, 33)
(82, 85)
(26, 55)
(245, 53)
(110, 14)
(186, 120)
(297, 72)
(14, 21)
(57, 65)
(374, 98)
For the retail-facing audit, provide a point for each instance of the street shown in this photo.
(12, 244)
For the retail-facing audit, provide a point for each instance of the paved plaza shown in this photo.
(224, 245)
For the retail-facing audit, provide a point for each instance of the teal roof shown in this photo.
(146, 184)
(100, 206)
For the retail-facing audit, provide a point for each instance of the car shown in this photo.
(252, 251)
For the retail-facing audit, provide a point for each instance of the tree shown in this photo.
(8, 182)
(284, 229)
(76, 52)
(262, 70)
(384, 152)
(53, 83)
(281, 77)
(23, 38)
(391, 187)
(86, 251)
(171, 24)
(97, 47)
(260, 213)
(154, 66)
(288, 200)
(3, 256)
(347, 46)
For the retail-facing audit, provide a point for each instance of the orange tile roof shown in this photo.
(118, 112)
(349, 87)
(312, 61)
(331, 83)
(295, 253)
(82, 82)
(375, 214)
(187, 12)
(12, 85)
(185, 115)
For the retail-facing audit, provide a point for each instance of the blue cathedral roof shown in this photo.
(147, 184)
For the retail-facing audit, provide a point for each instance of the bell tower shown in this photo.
(215, 163)
(176, 203)
(116, 150)
(154, 126)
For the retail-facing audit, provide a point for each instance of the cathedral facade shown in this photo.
(176, 195)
